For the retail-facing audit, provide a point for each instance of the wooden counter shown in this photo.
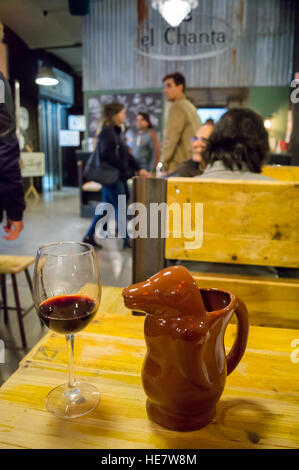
(258, 409)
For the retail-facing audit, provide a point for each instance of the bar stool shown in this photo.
(13, 265)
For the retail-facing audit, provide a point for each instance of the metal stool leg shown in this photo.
(27, 274)
(4, 298)
(29, 280)
(19, 310)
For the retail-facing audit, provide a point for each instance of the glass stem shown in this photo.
(70, 351)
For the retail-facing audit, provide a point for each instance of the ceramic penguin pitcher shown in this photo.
(185, 368)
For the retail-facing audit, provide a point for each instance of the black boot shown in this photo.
(90, 241)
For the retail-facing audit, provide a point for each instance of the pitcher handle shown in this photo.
(239, 346)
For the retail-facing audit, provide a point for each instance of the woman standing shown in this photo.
(144, 147)
(113, 150)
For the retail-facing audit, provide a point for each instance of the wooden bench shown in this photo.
(245, 223)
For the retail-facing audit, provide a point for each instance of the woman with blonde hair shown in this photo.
(113, 151)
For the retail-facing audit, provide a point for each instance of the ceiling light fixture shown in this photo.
(46, 76)
(174, 11)
(267, 123)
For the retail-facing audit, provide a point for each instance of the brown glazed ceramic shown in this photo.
(185, 367)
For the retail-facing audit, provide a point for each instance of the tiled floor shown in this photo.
(55, 217)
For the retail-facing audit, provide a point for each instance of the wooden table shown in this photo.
(258, 409)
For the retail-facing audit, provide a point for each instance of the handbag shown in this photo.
(100, 171)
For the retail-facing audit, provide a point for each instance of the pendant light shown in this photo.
(46, 76)
(174, 11)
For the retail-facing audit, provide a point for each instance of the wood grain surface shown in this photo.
(10, 264)
(258, 409)
(269, 301)
(244, 222)
(282, 172)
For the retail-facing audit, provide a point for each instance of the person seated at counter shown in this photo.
(237, 148)
(195, 165)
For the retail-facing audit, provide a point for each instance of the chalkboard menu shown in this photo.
(146, 102)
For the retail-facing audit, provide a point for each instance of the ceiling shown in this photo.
(46, 24)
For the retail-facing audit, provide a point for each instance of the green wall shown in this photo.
(271, 102)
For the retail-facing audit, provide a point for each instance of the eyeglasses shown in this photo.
(200, 139)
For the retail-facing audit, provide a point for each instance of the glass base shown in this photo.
(65, 402)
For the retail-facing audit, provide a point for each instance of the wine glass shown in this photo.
(67, 293)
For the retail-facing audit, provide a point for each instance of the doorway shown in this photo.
(52, 118)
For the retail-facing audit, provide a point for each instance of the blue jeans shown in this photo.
(110, 195)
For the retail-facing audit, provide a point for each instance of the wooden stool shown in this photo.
(14, 265)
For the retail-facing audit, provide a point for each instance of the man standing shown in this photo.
(182, 123)
(11, 188)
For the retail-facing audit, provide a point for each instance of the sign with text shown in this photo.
(69, 138)
(32, 164)
(199, 36)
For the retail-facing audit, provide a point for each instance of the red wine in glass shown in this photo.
(67, 294)
(67, 314)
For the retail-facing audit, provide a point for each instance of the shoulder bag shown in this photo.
(101, 171)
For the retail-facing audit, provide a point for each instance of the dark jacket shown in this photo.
(11, 187)
(186, 169)
(7, 117)
(114, 151)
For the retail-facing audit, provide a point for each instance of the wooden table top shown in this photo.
(258, 409)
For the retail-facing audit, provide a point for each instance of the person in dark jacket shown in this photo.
(11, 188)
(113, 150)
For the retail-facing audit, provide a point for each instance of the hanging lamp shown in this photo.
(174, 11)
(46, 76)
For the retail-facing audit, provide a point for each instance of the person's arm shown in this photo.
(174, 128)
(157, 148)
(7, 115)
(13, 228)
(14, 205)
(133, 163)
(135, 166)
(152, 159)
(11, 187)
